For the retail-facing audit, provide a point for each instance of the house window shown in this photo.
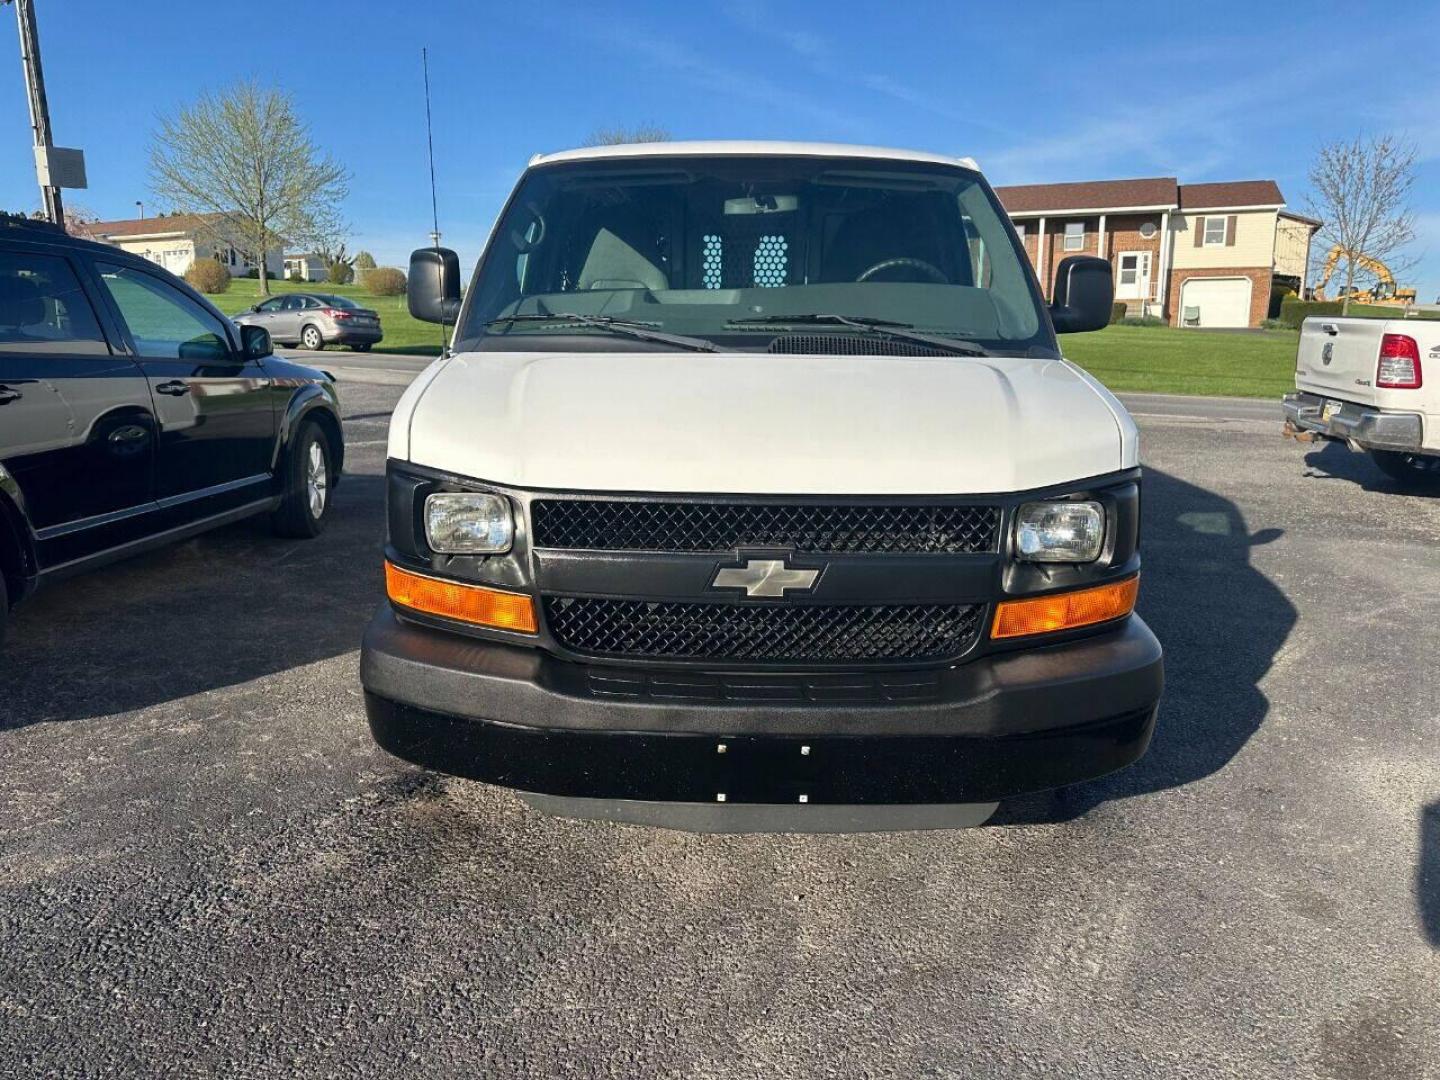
(1214, 231)
(1074, 236)
(1019, 230)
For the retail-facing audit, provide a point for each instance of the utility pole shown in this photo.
(39, 109)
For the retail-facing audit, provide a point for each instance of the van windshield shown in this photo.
(727, 249)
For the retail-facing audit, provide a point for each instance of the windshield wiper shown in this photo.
(902, 331)
(619, 326)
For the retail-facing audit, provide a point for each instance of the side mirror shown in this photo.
(433, 288)
(255, 343)
(1084, 292)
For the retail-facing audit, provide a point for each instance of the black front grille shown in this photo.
(762, 633)
(710, 526)
(851, 345)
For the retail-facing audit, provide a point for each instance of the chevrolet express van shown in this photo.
(755, 492)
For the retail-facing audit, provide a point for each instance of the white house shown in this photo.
(177, 240)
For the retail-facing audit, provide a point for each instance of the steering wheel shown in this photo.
(929, 270)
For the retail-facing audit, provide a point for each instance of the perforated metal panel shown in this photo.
(743, 251)
(771, 261)
(762, 633)
(712, 261)
(820, 528)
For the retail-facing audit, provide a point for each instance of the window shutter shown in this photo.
(1199, 231)
(1230, 231)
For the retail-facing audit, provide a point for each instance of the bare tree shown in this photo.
(615, 136)
(244, 156)
(1361, 190)
(339, 266)
(78, 219)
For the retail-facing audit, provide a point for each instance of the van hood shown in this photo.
(748, 423)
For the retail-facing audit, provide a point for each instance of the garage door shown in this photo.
(1221, 301)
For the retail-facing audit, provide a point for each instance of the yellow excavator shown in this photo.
(1383, 293)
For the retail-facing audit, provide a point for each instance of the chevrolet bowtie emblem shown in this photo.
(764, 577)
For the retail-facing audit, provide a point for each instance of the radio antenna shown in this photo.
(434, 204)
(430, 143)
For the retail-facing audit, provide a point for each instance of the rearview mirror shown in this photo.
(433, 288)
(1084, 292)
(255, 343)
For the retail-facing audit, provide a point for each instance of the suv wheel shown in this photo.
(1415, 471)
(4, 607)
(311, 339)
(309, 484)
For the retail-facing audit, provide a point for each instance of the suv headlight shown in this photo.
(1068, 532)
(468, 523)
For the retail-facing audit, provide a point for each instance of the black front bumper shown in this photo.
(998, 726)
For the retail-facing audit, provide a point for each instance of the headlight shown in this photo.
(1070, 532)
(468, 523)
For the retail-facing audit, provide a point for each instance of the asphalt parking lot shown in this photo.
(207, 868)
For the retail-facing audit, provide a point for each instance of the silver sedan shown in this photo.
(314, 320)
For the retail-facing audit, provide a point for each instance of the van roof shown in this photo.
(733, 147)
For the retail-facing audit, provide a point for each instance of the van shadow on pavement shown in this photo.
(221, 609)
(1427, 874)
(1221, 623)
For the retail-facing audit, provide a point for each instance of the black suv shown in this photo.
(133, 413)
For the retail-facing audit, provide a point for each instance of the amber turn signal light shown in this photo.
(463, 603)
(1065, 611)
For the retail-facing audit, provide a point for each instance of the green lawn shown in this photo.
(1170, 361)
(403, 334)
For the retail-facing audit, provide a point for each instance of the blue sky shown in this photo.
(1035, 92)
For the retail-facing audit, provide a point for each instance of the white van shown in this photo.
(755, 493)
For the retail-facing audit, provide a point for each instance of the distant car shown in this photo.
(133, 414)
(314, 320)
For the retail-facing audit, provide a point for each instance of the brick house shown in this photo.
(1217, 255)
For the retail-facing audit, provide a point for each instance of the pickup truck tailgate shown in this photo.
(1338, 356)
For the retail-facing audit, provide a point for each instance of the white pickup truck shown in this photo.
(755, 493)
(1362, 382)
